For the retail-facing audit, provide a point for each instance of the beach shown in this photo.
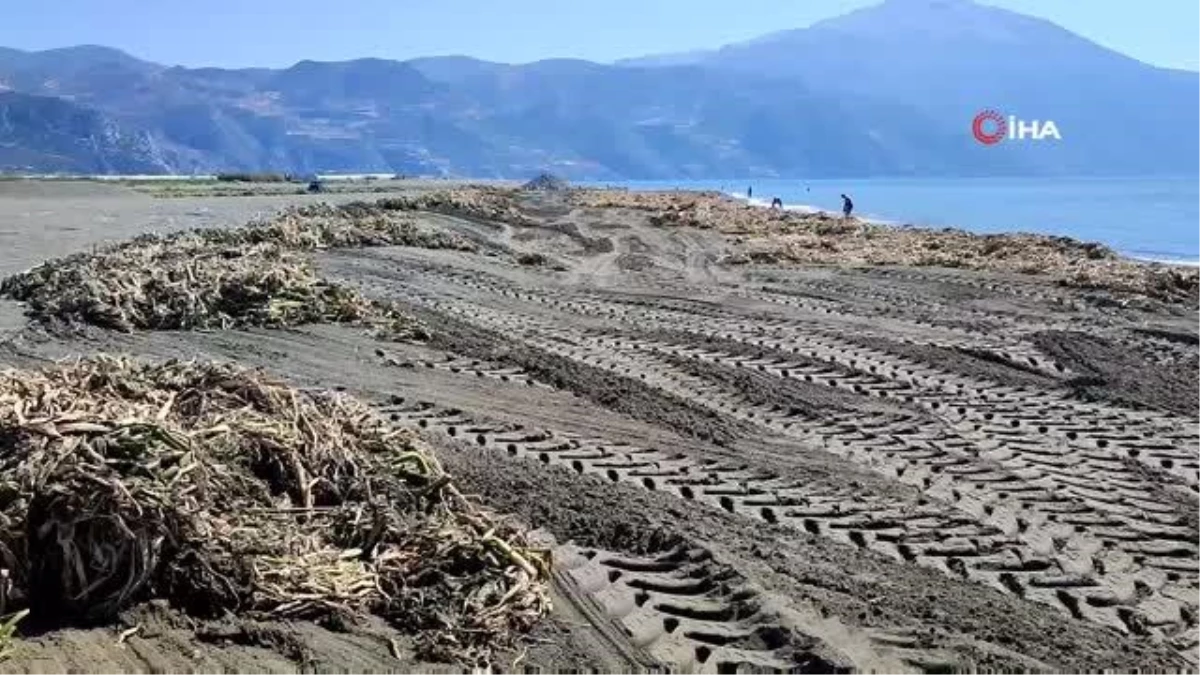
(1143, 217)
(751, 440)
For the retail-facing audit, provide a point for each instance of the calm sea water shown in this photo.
(1153, 218)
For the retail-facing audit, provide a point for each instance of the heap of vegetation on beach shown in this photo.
(222, 278)
(219, 489)
(545, 182)
(480, 202)
(777, 235)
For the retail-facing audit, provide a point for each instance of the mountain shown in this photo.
(595, 120)
(886, 90)
(85, 74)
(462, 116)
(45, 134)
(951, 59)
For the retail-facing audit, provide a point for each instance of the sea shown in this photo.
(1148, 218)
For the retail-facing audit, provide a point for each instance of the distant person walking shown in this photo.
(847, 206)
(750, 192)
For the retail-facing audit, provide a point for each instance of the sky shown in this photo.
(275, 33)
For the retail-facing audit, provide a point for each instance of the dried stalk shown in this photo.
(223, 278)
(220, 489)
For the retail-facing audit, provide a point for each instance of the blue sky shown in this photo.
(232, 33)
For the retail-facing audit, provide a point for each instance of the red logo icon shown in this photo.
(989, 127)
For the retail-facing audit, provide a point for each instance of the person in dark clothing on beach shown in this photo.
(749, 192)
(777, 202)
(847, 206)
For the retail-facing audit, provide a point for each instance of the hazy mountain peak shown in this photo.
(931, 4)
(942, 9)
(89, 51)
(85, 56)
(900, 20)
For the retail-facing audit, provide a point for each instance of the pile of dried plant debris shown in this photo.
(482, 202)
(223, 278)
(778, 235)
(350, 225)
(220, 490)
(546, 182)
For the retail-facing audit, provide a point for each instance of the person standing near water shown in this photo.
(749, 192)
(847, 206)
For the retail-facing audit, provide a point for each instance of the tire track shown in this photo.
(1018, 353)
(1015, 349)
(1052, 499)
(690, 612)
(1120, 589)
(681, 608)
(1161, 442)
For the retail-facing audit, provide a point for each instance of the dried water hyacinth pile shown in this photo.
(225, 278)
(686, 206)
(219, 489)
(704, 210)
(546, 182)
(181, 282)
(1065, 261)
(249, 276)
(485, 203)
(772, 235)
(352, 225)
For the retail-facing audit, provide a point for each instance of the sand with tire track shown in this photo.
(756, 465)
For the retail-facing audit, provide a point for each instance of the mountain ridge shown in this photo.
(884, 90)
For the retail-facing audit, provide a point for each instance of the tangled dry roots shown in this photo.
(219, 489)
(225, 278)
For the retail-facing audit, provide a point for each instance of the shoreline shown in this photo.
(809, 209)
(1175, 262)
(810, 236)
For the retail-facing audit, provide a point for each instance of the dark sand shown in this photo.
(800, 468)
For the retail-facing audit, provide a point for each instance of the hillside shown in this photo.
(43, 134)
(886, 90)
(951, 59)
